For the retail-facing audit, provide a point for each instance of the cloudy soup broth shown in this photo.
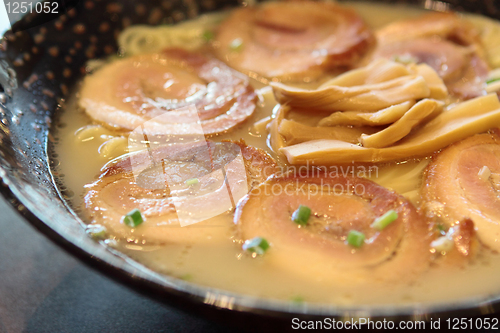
(83, 147)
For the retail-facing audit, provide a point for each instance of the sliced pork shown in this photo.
(172, 93)
(292, 40)
(181, 191)
(339, 204)
(445, 42)
(463, 182)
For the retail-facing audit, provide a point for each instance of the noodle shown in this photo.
(402, 178)
(139, 39)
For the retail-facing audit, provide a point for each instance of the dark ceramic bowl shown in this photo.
(39, 65)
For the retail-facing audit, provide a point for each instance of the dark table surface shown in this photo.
(44, 289)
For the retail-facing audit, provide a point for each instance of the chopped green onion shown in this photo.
(355, 238)
(96, 231)
(440, 228)
(492, 80)
(383, 221)
(256, 245)
(301, 215)
(133, 218)
(297, 299)
(208, 35)
(192, 181)
(236, 44)
(186, 277)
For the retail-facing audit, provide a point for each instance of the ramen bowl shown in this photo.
(39, 66)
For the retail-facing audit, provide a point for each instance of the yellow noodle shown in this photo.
(114, 147)
(276, 140)
(394, 175)
(260, 125)
(412, 195)
(403, 178)
(140, 39)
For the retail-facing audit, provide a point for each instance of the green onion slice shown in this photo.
(297, 299)
(96, 231)
(236, 44)
(355, 238)
(133, 218)
(256, 245)
(192, 181)
(207, 35)
(301, 215)
(441, 229)
(383, 221)
(492, 80)
(186, 277)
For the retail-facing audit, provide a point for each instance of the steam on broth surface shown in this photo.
(84, 148)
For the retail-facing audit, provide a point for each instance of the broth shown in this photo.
(224, 266)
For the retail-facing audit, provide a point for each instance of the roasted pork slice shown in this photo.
(185, 192)
(292, 40)
(446, 58)
(175, 92)
(463, 182)
(445, 42)
(339, 205)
